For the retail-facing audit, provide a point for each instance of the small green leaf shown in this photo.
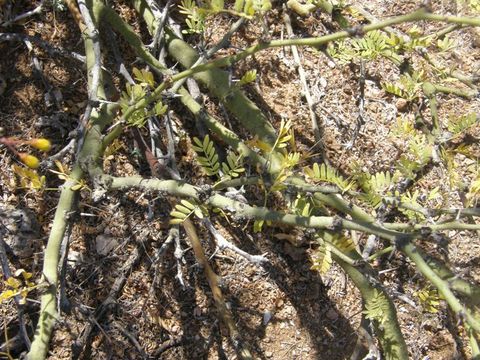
(198, 212)
(182, 209)
(248, 77)
(187, 204)
(176, 221)
(178, 214)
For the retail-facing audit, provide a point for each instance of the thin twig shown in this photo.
(213, 280)
(121, 69)
(178, 254)
(49, 48)
(132, 339)
(361, 106)
(212, 51)
(223, 243)
(48, 162)
(317, 132)
(105, 306)
(38, 67)
(161, 19)
(25, 15)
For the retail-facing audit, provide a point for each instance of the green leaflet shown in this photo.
(325, 173)
(209, 161)
(377, 307)
(185, 209)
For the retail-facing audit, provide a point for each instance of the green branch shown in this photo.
(442, 286)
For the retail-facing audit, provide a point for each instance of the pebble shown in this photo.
(104, 244)
(332, 314)
(401, 104)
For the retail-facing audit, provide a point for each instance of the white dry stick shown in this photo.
(25, 15)
(301, 73)
(178, 253)
(223, 243)
(46, 46)
(161, 18)
(372, 242)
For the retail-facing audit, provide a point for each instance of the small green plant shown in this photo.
(458, 125)
(208, 160)
(376, 308)
(19, 284)
(247, 78)
(325, 173)
(408, 86)
(195, 20)
(197, 15)
(29, 178)
(322, 257)
(373, 45)
(64, 174)
(136, 92)
(375, 187)
(429, 299)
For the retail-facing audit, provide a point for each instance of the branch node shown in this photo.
(356, 31)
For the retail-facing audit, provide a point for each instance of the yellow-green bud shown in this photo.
(29, 160)
(41, 144)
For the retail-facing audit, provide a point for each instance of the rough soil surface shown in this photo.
(283, 310)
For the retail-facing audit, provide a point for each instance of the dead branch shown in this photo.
(223, 243)
(213, 281)
(317, 130)
(45, 45)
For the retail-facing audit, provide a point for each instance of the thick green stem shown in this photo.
(104, 12)
(48, 307)
(391, 337)
(442, 286)
(217, 81)
(90, 152)
(242, 210)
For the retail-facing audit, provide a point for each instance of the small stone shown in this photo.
(267, 316)
(332, 314)
(268, 354)
(104, 244)
(175, 329)
(279, 303)
(401, 105)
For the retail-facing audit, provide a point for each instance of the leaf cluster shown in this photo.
(29, 178)
(209, 160)
(19, 284)
(197, 15)
(376, 307)
(429, 299)
(457, 125)
(64, 174)
(326, 173)
(136, 92)
(408, 86)
(185, 209)
(373, 45)
(322, 257)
